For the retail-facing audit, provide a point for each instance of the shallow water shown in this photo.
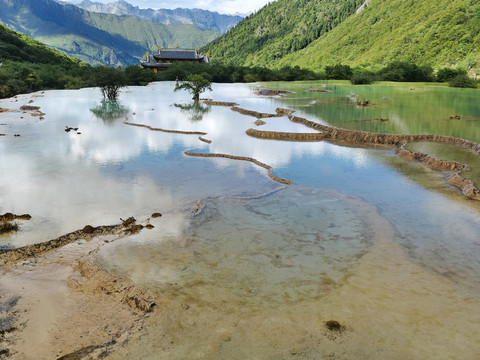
(406, 108)
(452, 153)
(362, 237)
(255, 250)
(240, 290)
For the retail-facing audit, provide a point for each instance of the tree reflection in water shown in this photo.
(109, 110)
(194, 111)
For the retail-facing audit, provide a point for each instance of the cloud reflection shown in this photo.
(58, 176)
(158, 106)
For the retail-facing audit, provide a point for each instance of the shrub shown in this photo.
(71, 82)
(136, 75)
(8, 226)
(447, 74)
(405, 72)
(248, 78)
(362, 78)
(338, 72)
(462, 81)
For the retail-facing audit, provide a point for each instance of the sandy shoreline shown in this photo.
(58, 301)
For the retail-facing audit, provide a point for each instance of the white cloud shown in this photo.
(221, 6)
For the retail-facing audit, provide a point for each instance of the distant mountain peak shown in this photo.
(203, 19)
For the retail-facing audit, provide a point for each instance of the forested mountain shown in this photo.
(93, 37)
(437, 33)
(15, 46)
(28, 65)
(280, 28)
(203, 19)
(440, 33)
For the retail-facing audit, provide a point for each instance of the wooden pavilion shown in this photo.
(166, 57)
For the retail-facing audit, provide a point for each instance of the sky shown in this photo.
(222, 6)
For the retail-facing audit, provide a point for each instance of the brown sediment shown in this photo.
(68, 129)
(11, 256)
(219, 103)
(29, 108)
(354, 136)
(278, 112)
(165, 130)
(465, 185)
(277, 135)
(204, 140)
(320, 90)
(253, 113)
(244, 158)
(270, 92)
(7, 223)
(5, 110)
(89, 278)
(334, 325)
(456, 117)
(260, 122)
(80, 354)
(10, 216)
(398, 140)
(285, 112)
(101, 312)
(200, 207)
(35, 110)
(431, 162)
(364, 103)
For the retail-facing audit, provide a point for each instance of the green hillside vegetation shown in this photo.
(20, 47)
(440, 33)
(28, 65)
(278, 29)
(94, 37)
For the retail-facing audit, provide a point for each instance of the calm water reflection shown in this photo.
(277, 253)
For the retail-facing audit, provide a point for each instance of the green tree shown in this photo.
(195, 84)
(404, 71)
(362, 78)
(339, 72)
(135, 75)
(110, 80)
(462, 81)
(447, 74)
(33, 81)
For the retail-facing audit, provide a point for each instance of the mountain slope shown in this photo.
(28, 65)
(202, 19)
(438, 33)
(280, 28)
(429, 32)
(20, 47)
(92, 37)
